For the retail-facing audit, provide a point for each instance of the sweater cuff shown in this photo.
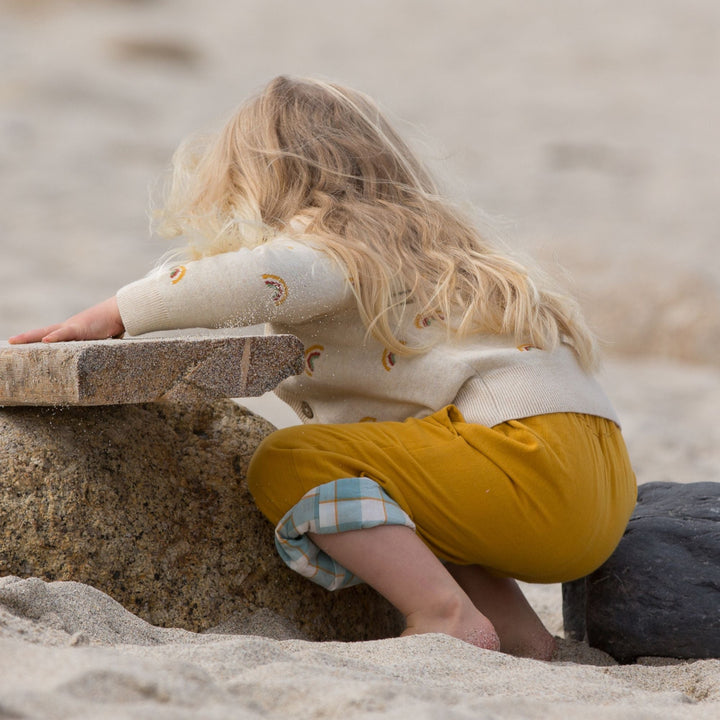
(142, 308)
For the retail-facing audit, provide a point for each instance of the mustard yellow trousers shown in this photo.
(544, 499)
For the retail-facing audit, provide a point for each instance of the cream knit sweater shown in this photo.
(349, 377)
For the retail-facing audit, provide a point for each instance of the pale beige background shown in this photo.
(591, 128)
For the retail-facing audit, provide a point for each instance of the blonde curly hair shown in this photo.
(317, 160)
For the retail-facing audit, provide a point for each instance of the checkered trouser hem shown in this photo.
(337, 506)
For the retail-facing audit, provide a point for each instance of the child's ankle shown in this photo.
(455, 616)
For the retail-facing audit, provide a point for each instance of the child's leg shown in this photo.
(500, 599)
(395, 561)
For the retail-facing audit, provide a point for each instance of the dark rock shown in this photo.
(659, 593)
(149, 504)
(574, 602)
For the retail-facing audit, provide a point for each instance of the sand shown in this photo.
(68, 650)
(589, 134)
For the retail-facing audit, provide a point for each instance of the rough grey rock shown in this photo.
(659, 593)
(149, 504)
(116, 372)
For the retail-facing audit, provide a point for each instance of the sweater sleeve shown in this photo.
(282, 281)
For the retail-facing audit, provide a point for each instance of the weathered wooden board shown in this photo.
(120, 372)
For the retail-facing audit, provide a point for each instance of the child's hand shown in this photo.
(96, 323)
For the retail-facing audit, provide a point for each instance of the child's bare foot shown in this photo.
(538, 646)
(500, 599)
(458, 618)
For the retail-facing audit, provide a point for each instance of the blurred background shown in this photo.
(589, 131)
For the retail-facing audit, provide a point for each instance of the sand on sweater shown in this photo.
(590, 134)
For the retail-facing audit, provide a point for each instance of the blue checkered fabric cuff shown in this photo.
(337, 506)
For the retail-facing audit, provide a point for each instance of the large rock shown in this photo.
(659, 593)
(149, 504)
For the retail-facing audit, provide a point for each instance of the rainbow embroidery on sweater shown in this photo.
(388, 360)
(526, 348)
(421, 321)
(311, 356)
(177, 274)
(279, 288)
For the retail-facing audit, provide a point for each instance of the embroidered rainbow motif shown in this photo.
(177, 274)
(388, 360)
(526, 348)
(311, 355)
(421, 322)
(279, 288)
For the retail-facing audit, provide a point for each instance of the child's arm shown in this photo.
(96, 323)
(276, 282)
(282, 282)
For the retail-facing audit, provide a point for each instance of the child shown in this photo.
(453, 436)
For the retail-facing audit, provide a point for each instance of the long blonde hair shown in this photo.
(318, 156)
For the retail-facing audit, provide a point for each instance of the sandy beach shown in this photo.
(588, 136)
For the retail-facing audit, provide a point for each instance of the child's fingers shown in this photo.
(64, 333)
(32, 335)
